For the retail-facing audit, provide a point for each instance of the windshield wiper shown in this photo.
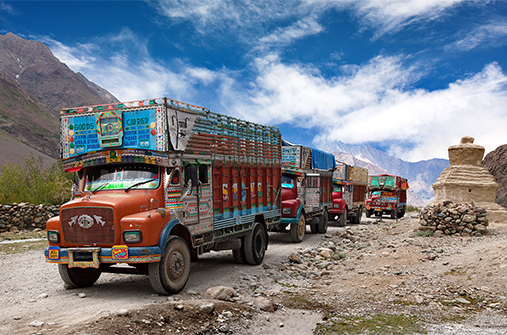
(140, 183)
(99, 188)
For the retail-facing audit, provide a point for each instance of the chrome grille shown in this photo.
(87, 225)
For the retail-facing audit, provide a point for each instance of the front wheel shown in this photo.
(297, 231)
(256, 244)
(171, 274)
(78, 277)
(368, 213)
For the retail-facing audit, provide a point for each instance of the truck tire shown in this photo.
(314, 227)
(297, 231)
(322, 225)
(342, 220)
(171, 274)
(239, 255)
(393, 214)
(368, 213)
(255, 244)
(359, 214)
(402, 214)
(78, 277)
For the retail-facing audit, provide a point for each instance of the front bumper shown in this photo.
(85, 257)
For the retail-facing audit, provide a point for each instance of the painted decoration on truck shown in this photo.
(140, 129)
(382, 182)
(339, 173)
(312, 197)
(291, 157)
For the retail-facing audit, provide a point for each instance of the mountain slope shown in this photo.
(32, 65)
(34, 86)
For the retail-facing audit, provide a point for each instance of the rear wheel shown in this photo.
(78, 277)
(314, 228)
(343, 218)
(255, 244)
(322, 225)
(239, 254)
(359, 213)
(297, 231)
(171, 274)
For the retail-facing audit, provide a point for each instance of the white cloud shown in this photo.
(208, 16)
(489, 35)
(6, 8)
(372, 103)
(77, 58)
(218, 15)
(392, 15)
(286, 35)
(127, 70)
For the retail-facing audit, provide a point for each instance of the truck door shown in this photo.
(198, 203)
(312, 200)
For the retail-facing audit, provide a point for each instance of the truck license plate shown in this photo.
(84, 257)
(54, 253)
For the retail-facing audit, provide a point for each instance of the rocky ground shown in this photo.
(377, 277)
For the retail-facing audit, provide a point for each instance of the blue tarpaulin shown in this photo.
(322, 160)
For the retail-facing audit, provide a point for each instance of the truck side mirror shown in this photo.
(191, 174)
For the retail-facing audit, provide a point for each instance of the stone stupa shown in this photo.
(465, 181)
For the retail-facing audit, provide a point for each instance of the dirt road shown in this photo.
(374, 277)
(31, 290)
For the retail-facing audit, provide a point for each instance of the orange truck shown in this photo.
(387, 195)
(158, 183)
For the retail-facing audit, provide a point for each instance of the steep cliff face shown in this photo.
(34, 86)
(496, 163)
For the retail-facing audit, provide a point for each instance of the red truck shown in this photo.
(349, 194)
(306, 190)
(158, 183)
(387, 195)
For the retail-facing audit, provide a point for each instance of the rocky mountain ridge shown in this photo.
(34, 86)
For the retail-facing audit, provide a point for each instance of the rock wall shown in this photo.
(448, 218)
(24, 216)
(496, 163)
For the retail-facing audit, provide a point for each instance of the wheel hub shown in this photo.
(176, 264)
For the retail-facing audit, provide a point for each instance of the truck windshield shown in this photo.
(121, 177)
(288, 182)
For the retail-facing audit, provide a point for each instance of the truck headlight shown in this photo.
(53, 236)
(336, 205)
(286, 211)
(132, 236)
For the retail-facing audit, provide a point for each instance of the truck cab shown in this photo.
(387, 195)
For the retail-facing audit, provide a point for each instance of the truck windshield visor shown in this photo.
(122, 176)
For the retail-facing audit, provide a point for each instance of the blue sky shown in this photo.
(409, 76)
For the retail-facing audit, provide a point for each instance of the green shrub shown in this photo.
(29, 183)
(411, 208)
